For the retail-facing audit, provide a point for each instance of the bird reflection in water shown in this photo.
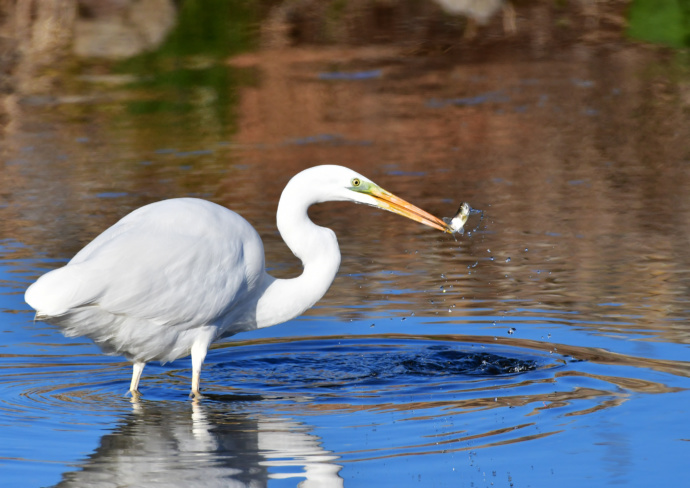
(168, 445)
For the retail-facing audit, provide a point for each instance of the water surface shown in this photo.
(548, 346)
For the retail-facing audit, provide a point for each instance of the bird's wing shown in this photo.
(181, 261)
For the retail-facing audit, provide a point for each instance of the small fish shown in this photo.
(457, 222)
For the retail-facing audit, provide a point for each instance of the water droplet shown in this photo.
(507, 260)
(526, 249)
(488, 250)
(492, 258)
(450, 310)
(403, 318)
(443, 276)
(511, 330)
(412, 314)
(372, 325)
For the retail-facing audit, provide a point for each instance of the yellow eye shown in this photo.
(356, 182)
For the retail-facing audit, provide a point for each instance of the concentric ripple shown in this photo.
(39, 389)
(303, 407)
(385, 395)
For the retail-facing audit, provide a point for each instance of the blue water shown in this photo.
(338, 402)
(547, 346)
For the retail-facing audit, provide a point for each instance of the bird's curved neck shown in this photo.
(315, 246)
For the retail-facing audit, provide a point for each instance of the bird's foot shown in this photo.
(196, 395)
(136, 395)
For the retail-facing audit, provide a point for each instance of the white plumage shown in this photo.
(479, 10)
(173, 276)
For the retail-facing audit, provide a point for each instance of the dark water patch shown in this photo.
(459, 362)
(329, 363)
(197, 152)
(490, 97)
(351, 75)
(325, 139)
(112, 194)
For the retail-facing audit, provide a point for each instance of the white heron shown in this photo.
(173, 276)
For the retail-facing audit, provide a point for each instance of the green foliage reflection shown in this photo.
(188, 69)
(662, 21)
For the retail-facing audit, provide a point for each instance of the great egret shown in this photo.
(174, 276)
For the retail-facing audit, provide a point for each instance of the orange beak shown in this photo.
(387, 201)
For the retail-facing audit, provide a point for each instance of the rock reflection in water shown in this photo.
(175, 445)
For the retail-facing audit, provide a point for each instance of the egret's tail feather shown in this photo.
(61, 290)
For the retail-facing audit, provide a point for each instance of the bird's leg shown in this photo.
(137, 369)
(199, 350)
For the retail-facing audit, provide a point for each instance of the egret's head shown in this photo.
(340, 183)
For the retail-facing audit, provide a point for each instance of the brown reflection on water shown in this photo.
(581, 159)
(578, 159)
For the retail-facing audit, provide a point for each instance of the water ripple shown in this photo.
(419, 394)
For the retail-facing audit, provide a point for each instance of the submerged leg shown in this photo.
(137, 369)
